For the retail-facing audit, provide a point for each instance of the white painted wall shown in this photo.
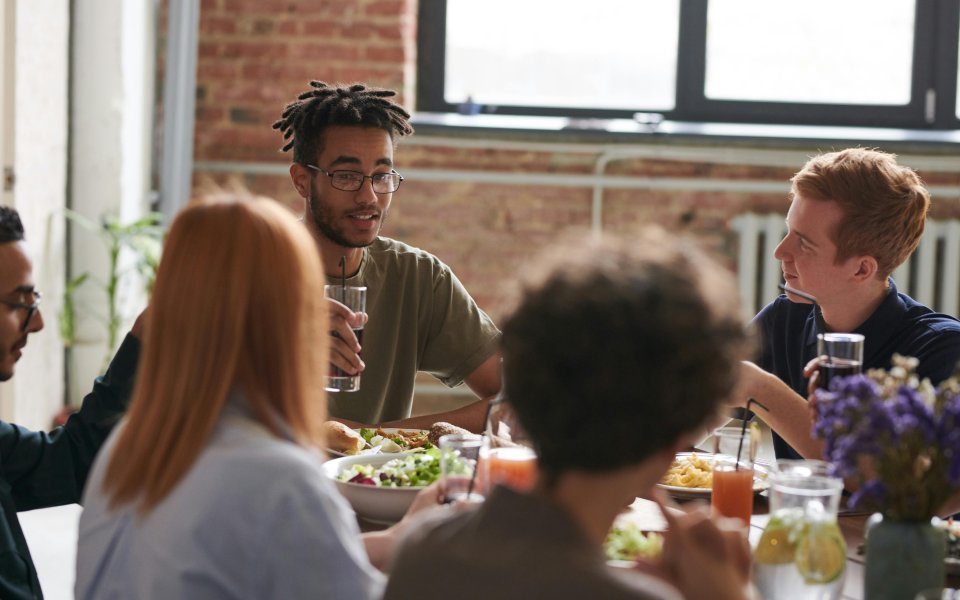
(112, 61)
(8, 27)
(82, 99)
(35, 393)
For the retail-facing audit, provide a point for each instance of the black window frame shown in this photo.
(934, 68)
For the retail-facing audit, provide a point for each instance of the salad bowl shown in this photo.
(382, 505)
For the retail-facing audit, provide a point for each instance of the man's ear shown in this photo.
(300, 176)
(866, 268)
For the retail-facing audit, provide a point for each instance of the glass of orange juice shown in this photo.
(732, 494)
(514, 467)
(509, 454)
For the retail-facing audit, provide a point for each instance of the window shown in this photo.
(957, 111)
(891, 63)
(567, 61)
(866, 61)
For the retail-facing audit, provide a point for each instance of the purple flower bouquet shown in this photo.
(896, 438)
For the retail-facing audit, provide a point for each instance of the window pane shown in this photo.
(614, 54)
(816, 51)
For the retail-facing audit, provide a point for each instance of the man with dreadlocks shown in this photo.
(421, 317)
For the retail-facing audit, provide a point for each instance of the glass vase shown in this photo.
(903, 558)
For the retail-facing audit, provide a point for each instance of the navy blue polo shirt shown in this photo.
(899, 325)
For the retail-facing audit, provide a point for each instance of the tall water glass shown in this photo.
(354, 298)
(460, 475)
(840, 354)
(802, 467)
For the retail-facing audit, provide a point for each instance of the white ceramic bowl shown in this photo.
(379, 505)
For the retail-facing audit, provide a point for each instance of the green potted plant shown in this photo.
(142, 239)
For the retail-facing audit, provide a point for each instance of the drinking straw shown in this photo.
(343, 276)
(820, 325)
(743, 430)
(483, 434)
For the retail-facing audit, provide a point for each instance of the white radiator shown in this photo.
(931, 275)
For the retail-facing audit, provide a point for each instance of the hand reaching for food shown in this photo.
(702, 557)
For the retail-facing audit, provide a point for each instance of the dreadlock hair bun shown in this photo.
(304, 120)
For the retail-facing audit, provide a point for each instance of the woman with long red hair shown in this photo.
(211, 487)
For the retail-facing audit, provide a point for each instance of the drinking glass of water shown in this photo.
(459, 459)
(354, 298)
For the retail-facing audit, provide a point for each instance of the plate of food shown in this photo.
(345, 441)
(691, 475)
(626, 542)
(380, 487)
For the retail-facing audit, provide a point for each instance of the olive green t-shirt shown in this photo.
(421, 318)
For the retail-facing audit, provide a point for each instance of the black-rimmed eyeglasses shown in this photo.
(351, 181)
(30, 308)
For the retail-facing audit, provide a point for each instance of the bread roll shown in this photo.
(442, 428)
(341, 438)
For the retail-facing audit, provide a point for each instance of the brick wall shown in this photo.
(256, 55)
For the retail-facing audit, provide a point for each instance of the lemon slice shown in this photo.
(821, 554)
(776, 546)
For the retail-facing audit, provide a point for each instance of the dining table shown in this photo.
(646, 515)
(852, 523)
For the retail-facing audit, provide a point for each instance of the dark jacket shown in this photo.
(39, 469)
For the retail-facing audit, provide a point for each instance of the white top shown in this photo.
(253, 518)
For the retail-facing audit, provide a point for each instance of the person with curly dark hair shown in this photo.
(616, 357)
(421, 317)
(43, 469)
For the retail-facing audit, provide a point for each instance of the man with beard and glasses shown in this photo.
(38, 469)
(854, 217)
(420, 316)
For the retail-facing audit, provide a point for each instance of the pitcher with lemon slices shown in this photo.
(801, 554)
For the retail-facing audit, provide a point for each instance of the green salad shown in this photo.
(627, 542)
(409, 470)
